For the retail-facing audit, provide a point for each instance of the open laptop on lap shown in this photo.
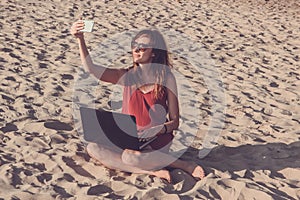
(111, 128)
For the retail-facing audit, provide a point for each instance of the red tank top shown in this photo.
(148, 110)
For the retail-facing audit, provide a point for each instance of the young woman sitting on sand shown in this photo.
(150, 94)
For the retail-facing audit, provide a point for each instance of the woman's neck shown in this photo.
(145, 69)
(146, 73)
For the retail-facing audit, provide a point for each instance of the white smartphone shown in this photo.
(88, 26)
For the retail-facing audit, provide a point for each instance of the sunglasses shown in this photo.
(140, 47)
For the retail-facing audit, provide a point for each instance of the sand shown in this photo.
(254, 47)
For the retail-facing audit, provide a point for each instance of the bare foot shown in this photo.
(163, 174)
(196, 171)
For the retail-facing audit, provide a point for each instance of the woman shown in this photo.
(150, 94)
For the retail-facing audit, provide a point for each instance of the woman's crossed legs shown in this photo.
(145, 162)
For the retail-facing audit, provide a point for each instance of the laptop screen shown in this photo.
(117, 130)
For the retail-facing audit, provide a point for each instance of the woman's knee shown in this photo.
(95, 151)
(131, 157)
(90, 148)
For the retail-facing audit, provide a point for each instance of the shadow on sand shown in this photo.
(271, 156)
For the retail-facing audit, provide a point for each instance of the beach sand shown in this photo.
(254, 47)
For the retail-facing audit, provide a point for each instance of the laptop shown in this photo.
(111, 128)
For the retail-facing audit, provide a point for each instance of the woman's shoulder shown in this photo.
(171, 84)
(170, 77)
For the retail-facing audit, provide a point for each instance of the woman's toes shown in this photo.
(163, 174)
(198, 172)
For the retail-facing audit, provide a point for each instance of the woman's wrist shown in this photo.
(80, 38)
(163, 130)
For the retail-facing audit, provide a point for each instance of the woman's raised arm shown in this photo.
(100, 72)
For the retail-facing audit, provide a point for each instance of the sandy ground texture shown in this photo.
(253, 50)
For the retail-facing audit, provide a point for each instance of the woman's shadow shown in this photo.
(271, 156)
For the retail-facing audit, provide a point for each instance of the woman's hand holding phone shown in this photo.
(76, 29)
(81, 26)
